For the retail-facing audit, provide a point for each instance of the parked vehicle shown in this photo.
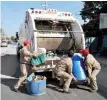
(4, 44)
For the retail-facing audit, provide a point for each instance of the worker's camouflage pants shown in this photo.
(64, 76)
(25, 70)
(93, 80)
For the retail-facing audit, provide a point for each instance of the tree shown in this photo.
(7, 38)
(1, 32)
(91, 12)
(12, 38)
(92, 9)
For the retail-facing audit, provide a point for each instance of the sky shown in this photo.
(13, 12)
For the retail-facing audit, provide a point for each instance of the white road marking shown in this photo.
(7, 77)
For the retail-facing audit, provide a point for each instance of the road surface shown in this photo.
(10, 67)
(10, 49)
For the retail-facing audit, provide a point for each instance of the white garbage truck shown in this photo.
(53, 31)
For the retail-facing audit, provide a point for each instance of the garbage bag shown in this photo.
(38, 61)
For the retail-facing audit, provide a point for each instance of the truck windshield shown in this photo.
(55, 26)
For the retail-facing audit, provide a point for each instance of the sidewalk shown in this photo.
(102, 60)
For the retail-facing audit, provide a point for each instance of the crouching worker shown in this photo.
(93, 67)
(25, 66)
(63, 69)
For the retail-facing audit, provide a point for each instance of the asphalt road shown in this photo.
(10, 67)
(10, 49)
(9, 61)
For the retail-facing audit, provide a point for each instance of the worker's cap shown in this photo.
(26, 42)
(84, 51)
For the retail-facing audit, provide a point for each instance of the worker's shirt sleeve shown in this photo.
(27, 53)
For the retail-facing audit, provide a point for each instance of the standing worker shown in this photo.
(93, 67)
(25, 66)
(63, 70)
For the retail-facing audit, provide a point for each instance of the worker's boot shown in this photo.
(75, 81)
(16, 89)
(66, 90)
(69, 91)
(93, 85)
(61, 86)
(94, 90)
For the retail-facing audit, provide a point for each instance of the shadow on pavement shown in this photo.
(11, 82)
(85, 88)
(102, 91)
(102, 81)
(10, 66)
(53, 84)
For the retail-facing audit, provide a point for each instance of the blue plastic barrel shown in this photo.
(36, 87)
(78, 68)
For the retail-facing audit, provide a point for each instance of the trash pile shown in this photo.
(35, 78)
(36, 85)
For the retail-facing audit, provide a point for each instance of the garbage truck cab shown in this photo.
(56, 32)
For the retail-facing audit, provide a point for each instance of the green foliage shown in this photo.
(12, 38)
(92, 9)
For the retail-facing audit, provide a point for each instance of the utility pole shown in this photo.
(45, 5)
(2, 31)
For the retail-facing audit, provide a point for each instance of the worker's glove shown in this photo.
(75, 79)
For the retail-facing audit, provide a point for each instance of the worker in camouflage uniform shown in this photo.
(93, 67)
(25, 66)
(63, 70)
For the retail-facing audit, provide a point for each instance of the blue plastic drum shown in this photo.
(78, 68)
(36, 87)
